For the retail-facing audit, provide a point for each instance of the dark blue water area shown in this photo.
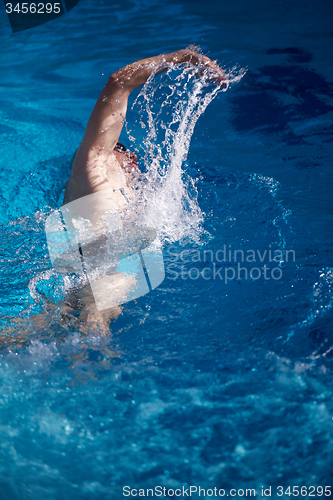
(222, 376)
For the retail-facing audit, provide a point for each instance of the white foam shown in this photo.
(169, 107)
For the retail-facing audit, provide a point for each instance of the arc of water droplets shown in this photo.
(169, 195)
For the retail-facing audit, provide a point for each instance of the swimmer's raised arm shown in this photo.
(107, 119)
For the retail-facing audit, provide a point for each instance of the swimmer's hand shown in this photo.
(95, 159)
(205, 65)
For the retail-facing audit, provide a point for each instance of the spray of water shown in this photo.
(167, 109)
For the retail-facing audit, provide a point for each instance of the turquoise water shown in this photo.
(208, 380)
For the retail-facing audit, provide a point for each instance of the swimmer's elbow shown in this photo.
(118, 86)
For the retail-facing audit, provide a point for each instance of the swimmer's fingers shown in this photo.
(206, 67)
(213, 73)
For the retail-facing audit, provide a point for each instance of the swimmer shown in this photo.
(102, 163)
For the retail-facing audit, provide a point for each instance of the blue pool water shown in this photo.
(212, 379)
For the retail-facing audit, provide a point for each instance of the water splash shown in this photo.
(168, 108)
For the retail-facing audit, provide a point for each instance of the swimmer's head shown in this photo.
(126, 158)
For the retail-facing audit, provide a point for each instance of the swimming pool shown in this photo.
(222, 376)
